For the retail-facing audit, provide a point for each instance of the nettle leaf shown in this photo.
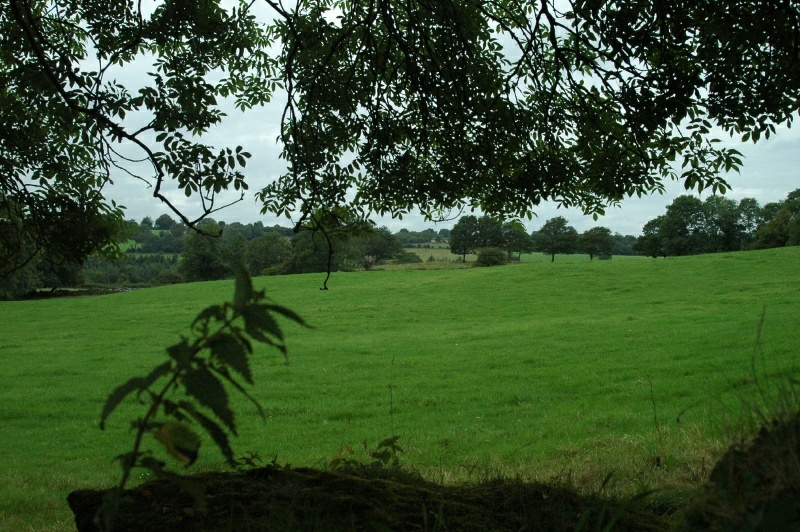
(215, 311)
(243, 289)
(219, 436)
(181, 353)
(207, 390)
(287, 313)
(135, 384)
(179, 440)
(229, 350)
(228, 377)
(258, 324)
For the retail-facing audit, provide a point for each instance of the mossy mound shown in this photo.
(754, 486)
(275, 498)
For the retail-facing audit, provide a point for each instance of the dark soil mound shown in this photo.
(754, 486)
(274, 498)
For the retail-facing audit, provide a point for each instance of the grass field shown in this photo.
(443, 258)
(532, 369)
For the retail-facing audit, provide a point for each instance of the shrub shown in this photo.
(171, 276)
(408, 257)
(490, 257)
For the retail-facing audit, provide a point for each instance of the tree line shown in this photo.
(472, 234)
(165, 251)
(691, 226)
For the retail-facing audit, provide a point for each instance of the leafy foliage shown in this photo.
(202, 257)
(597, 241)
(463, 237)
(490, 257)
(583, 103)
(390, 106)
(67, 124)
(556, 237)
(516, 238)
(191, 388)
(691, 226)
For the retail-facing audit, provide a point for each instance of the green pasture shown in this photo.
(569, 369)
(441, 255)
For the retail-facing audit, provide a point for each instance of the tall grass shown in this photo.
(533, 369)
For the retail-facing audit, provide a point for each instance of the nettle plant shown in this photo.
(190, 389)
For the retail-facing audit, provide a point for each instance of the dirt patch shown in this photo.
(276, 498)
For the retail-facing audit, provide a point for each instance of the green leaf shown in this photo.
(287, 313)
(207, 390)
(215, 311)
(179, 440)
(243, 289)
(182, 353)
(134, 384)
(219, 436)
(258, 324)
(232, 353)
(225, 374)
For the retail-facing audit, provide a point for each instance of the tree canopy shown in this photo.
(388, 106)
(556, 236)
(691, 226)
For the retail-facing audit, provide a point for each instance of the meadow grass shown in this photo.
(442, 256)
(535, 370)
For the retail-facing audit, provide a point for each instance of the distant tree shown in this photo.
(683, 229)
(751, 217)
(792, 201)
(489, 232)
(18, 285)
(651, 242)
(380, 244)
(267, 251)
(287, 232)
(464, 236)
(770, 210)
(723, 225)
(556, 237)
(310, 254)
(780, 223)
(235, 249)
(775, 233)
(232, 230)
(443, 234)
(597, 241)
(164, 222)
(203, 257)
(146, 223)
(516, 238)
(407, 238)
(623, 244)
(178, 230)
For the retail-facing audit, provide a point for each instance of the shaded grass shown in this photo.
(532, 370)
